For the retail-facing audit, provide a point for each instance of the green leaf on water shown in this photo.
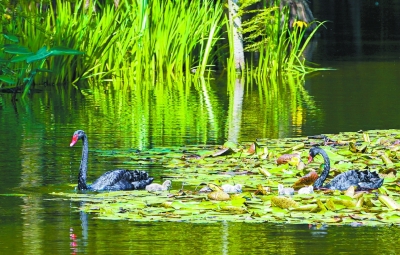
(186, 165)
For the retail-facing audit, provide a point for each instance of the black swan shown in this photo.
(363, 180)
(119, 179)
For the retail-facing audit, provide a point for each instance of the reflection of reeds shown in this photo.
(161, 114)
(279, 110)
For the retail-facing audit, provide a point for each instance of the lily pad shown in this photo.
(259, 177)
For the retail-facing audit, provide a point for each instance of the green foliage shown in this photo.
(19, 66)
(142, 40)
(280, 48)
(147, 40)
(138, 40)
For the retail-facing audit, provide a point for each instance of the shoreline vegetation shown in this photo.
(145, 43)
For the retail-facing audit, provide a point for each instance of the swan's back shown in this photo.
(121, 179)
(363, 180)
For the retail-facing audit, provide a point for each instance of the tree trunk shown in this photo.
(237, 35)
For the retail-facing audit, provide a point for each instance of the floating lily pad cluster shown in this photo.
(198, 173)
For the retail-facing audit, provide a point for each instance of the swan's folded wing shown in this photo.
(121, 179)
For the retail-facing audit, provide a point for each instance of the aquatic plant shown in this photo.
(277, 47)
(138, 39)
(215, 166)
(19, 66)
(23, 57)
(151, 41)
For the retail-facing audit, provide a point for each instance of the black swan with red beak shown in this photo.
(362, 180)
(119, 179)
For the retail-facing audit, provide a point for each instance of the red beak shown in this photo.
(310, 159)
(74, 140)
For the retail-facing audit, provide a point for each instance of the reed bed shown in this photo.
(147, 42)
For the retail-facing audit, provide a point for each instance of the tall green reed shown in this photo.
(276, 48)
(136, 41)
(154, 41)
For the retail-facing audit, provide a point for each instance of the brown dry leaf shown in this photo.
(252, 148)
(286, 158)
(306, 180)
(283, 202)
(219, 196)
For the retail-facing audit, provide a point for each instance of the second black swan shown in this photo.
(119, 179)
(363, 180)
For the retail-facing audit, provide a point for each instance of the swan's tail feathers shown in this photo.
(140, 179)
(142, 184)
(370, 180)
(137, 175)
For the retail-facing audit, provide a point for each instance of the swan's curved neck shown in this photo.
(83, 167)
(327, 166)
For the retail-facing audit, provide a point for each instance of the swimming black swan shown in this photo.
(112, 180)
(363, 180)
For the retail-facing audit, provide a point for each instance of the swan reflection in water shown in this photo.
(77, 243)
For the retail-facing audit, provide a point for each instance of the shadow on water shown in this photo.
(56, 227)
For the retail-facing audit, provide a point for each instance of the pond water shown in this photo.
(36, 160)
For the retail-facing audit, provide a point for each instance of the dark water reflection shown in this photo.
(54, 227)
(362, 44)
(35, 159)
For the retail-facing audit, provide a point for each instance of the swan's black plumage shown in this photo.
(363, 180)
(119, 179)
